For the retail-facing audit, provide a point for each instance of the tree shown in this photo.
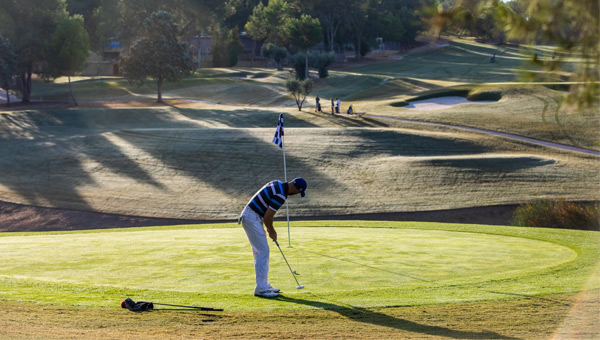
(298, 63)
(304, 33)
(270, 51)
(122, 20)
(266, 22)
(331, 14)
(255, 28)
(275, 15)
(299, 90)
(572, 28)
(28, 24)
(322, 62)
(234, 46)
(8, 66)
(218, 47)
(158, 54)
(359, 21)
(67, 50)
(88, 9)
(226, 47)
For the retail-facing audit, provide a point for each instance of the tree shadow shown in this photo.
(366, 315)
(44, 157)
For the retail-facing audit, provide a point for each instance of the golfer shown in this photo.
(261, 209)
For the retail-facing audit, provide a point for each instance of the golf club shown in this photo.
(291, 271)
(144, 306)
(195, 307)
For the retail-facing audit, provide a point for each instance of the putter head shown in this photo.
(299, 287)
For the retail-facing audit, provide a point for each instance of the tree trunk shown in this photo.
(159, 89)
(253, 52)
(7, 98)
(358, 46)
(71, 91)
(306, 65)
(23, 87)
(28, 85)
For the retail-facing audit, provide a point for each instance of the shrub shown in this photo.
(299, 89)
(298, 62)
(321, 62)
(273, 52)
(558, 214)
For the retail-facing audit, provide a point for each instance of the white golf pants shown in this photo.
(253, 225)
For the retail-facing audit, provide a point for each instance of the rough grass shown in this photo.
(174, 162)
(533, 318)
(532, 111)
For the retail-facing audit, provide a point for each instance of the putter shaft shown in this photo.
(286, 261)
(195, 307)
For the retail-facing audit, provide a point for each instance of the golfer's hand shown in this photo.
(272, 234)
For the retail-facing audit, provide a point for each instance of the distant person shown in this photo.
(338, 104)
(260, 210)
(332, 105)
(318, 107)
(349, 110)
(493, 58)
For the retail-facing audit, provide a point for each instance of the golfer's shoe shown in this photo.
(266, 294)
(274, 290)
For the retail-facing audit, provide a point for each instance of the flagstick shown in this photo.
(287, 208)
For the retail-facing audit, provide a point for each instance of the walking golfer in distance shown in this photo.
(261, 209)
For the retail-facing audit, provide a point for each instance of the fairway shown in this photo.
(359, 264)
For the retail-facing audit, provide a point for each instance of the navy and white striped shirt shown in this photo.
(271, 196)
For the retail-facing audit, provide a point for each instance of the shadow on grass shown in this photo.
(380, 319)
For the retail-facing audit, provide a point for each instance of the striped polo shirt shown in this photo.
(271, 196)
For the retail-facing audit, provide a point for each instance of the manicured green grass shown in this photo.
(344, 263)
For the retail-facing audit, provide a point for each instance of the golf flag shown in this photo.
(278, 139)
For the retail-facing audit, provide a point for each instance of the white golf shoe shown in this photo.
(266, 294)
(274, 290)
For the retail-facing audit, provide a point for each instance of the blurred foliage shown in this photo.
(571, 30)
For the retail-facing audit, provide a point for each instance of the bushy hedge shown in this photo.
(558, 214)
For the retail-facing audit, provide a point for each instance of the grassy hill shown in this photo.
(202, 155)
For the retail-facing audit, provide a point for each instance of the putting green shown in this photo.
(402, 263)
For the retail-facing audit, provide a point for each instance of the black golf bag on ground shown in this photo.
(139, 306)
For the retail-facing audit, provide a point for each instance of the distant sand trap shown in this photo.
(441, 103)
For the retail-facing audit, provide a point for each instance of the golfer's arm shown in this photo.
(268, 220)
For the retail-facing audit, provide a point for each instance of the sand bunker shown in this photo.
(441, 103)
